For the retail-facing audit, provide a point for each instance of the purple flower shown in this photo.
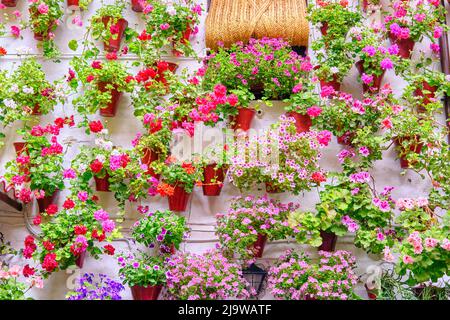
(394, 50)
(386, 64)
(371, 51)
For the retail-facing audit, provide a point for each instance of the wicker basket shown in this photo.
(230, 21)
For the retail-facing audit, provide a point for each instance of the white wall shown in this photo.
(203, 209)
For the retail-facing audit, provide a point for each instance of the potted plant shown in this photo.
(249, 223)
(333, 65)
(144, 274)
(82, 4)
(334, 18)
(214, 161)
(68, 234)
(370, 5)
(103, 83)
(39, 164)
(44, 19)
(177, 182)
(9, 3)
(410, 23)
(295, 277)
(225, 282)
(96, 287)
(373, 59)
(108, 25)
(14, 288)
(160, 227)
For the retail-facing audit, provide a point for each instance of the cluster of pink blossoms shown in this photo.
(410, 203)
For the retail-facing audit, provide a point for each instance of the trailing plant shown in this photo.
(96, 287)
(142, 269)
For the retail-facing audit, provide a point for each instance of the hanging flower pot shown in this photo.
(79, 262)
(364, 5)
(178, 201)
(73, 3)
(328, 241)
(36, 111)
(270, 188)
(414, 147)
(213, 179)
(243, 120)
(335, 84)
(9, 3)
(371, 293)
(324, 28)
(102, 184)
(113, 45)
(149, 157)
(426, 96)
(111, 109)
(146, 293)
(405, 46)
(186, 36)
(20, 147)
(46, 201)
(376, 84)
(168, 249)
(258, 246)
(302, 121)
(137, 5)
(346, 139)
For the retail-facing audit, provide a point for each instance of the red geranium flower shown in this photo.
(96, 166)
(109, 249)
(51, 209)
(96, 126)
(68, 204)
(28, 271)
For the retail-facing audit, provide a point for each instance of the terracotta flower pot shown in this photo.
(46, 201)
(137, 5)
(111, 109)
(213, 179)
(328, 241)
(371, 293)
(9, 3)
(243, 120)
(114, 44)
(302, 121)
(270, 188)
(376, 79)
(146, 293)
(415, 147)
(178, 201)
(346, 139)
(149, 157)
(259, 245)
(336, 85)
(36, 110)
(20, 147)
(406, 46)
(79, 262)
(426, 96)
(102, 184)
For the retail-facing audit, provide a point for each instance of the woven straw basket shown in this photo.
(230, 21)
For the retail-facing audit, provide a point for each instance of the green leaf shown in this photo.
(73, 45)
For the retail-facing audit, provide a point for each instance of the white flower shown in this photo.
(14, 88)
(101, 158)
(115, 153)
(334, 70)
(82, 167)
(9, 103)
(28, 90)
(108, 145)
(104, 131)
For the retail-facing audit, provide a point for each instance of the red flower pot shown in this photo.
(20, 147)
(178, 201)
(270, 188)
(168, 249)
(243, 120)
(328, 241)
(346, 139)
(111, 109)
(79, 262)
(44, 202)
(102, 184)
(371, 293)
(9, 3)
(213, 180)
(75, 3)
(114, 44)
(146, 293)
(137, 5)
(302, 121)
(376, 79)
(426, 96)
(406, 46)
(149, 157)
(36, 111)
(324, 28)
(415, 147)
(258, 246)
(336, 85)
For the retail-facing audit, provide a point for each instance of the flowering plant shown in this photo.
(26, 91)
(40, 162)
(90, 287)
(173, 174)
(415, 20)
(158, 137)
(100, 81)
(249, 217)
(208, 276)
(334, 63)
(11, 287)
(45, 17)
(69, 233)
(166, 24)
(295, 277)
(142, 270)
(265, 68)
(160, 227)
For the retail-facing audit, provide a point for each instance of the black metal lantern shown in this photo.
(255, 277)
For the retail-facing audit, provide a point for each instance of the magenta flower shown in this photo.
(386, 64)
(43, 8)
(366, 78)
(15, 31)
(83, 196)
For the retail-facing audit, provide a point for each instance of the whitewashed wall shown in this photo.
(202, 211)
